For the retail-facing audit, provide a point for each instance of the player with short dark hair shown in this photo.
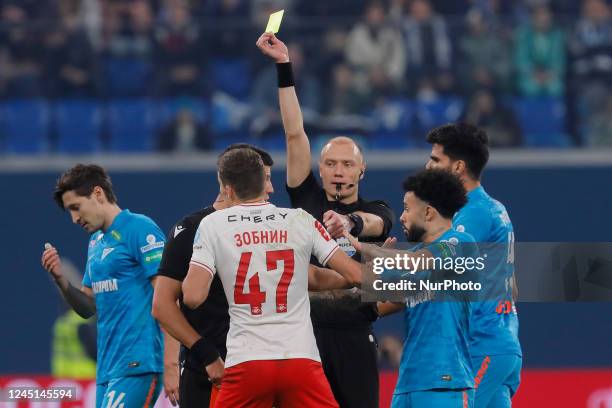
(435, 369)
(193, 328)
(496, 351)
(122, 259)
(342, 323)
(261, 253)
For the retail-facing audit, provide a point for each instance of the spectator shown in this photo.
(133, 35)
(500, 123)
(376, 50)
(229, 43)
(485, 59)
(540, 56)
(19, 44)
(264, 96)
(428, 49)
(600, 126)
(344, 98)
(179, 52)
(70, 61)
(592, 56)
(184, 134)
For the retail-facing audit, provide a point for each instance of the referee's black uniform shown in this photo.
(342, 325)
(211, 319)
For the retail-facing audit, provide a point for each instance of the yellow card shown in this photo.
(274, 22)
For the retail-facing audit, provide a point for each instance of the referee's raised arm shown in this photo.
(298, 146)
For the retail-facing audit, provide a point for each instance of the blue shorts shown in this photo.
(497, 379)
(129, 392)
(434, 399)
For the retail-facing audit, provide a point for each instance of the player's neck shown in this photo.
(470, 184)
(436, 230)
(258, 200)
(220, 203)
(110, 213)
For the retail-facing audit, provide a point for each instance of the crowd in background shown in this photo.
(349, 57)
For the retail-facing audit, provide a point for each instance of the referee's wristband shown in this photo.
(285, 74)
(204, 352)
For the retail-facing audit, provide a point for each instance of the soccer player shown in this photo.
(261, 254)
(208, 323)
(122, 260)
(494, 344)
(435, 369)
(342, 323)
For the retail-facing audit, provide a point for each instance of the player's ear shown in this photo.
(459, 167)
(98, 194)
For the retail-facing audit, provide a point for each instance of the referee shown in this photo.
(202, 332)
(342, 323)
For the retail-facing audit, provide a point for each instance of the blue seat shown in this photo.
(78, 126)
(393, 125)
(131, 125)
(168, 108)
(232, 76)
(126, 77)
(438, 112)
(26, 126)
(542, 121)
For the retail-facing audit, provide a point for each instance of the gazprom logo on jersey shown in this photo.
(151, 244)
(108, 285)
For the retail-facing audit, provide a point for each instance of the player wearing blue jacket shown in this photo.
(494, 345)
(124, 252)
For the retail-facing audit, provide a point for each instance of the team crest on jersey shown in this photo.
(460, 228)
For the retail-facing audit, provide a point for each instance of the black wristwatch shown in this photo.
(358, 221)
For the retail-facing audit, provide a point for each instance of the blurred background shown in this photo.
(154, 89)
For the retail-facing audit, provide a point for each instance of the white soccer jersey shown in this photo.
(261, 253)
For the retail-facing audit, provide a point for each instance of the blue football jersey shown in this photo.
(120, 264)
(436, 353)
(494, 323)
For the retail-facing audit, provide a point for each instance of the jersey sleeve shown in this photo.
(475, 221)
(177, 251)
(150, 241)
(203, 250)
(323, 246)
(381, 209)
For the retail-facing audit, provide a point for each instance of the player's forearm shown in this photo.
(171, 350)
(83, 304)
(373, 225)
(325, 279)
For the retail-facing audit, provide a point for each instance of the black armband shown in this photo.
(285, 75)
(203, 353)
(358, 221)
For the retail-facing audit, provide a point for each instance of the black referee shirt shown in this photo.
(338, 309)
(211, 319)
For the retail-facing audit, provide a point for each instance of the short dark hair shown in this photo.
(440, 189)
(265, 156)
(82, 178)
(462, 141)
(243, 170)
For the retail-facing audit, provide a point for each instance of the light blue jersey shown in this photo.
(494, 324)
(436, 354)
(120, 264)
